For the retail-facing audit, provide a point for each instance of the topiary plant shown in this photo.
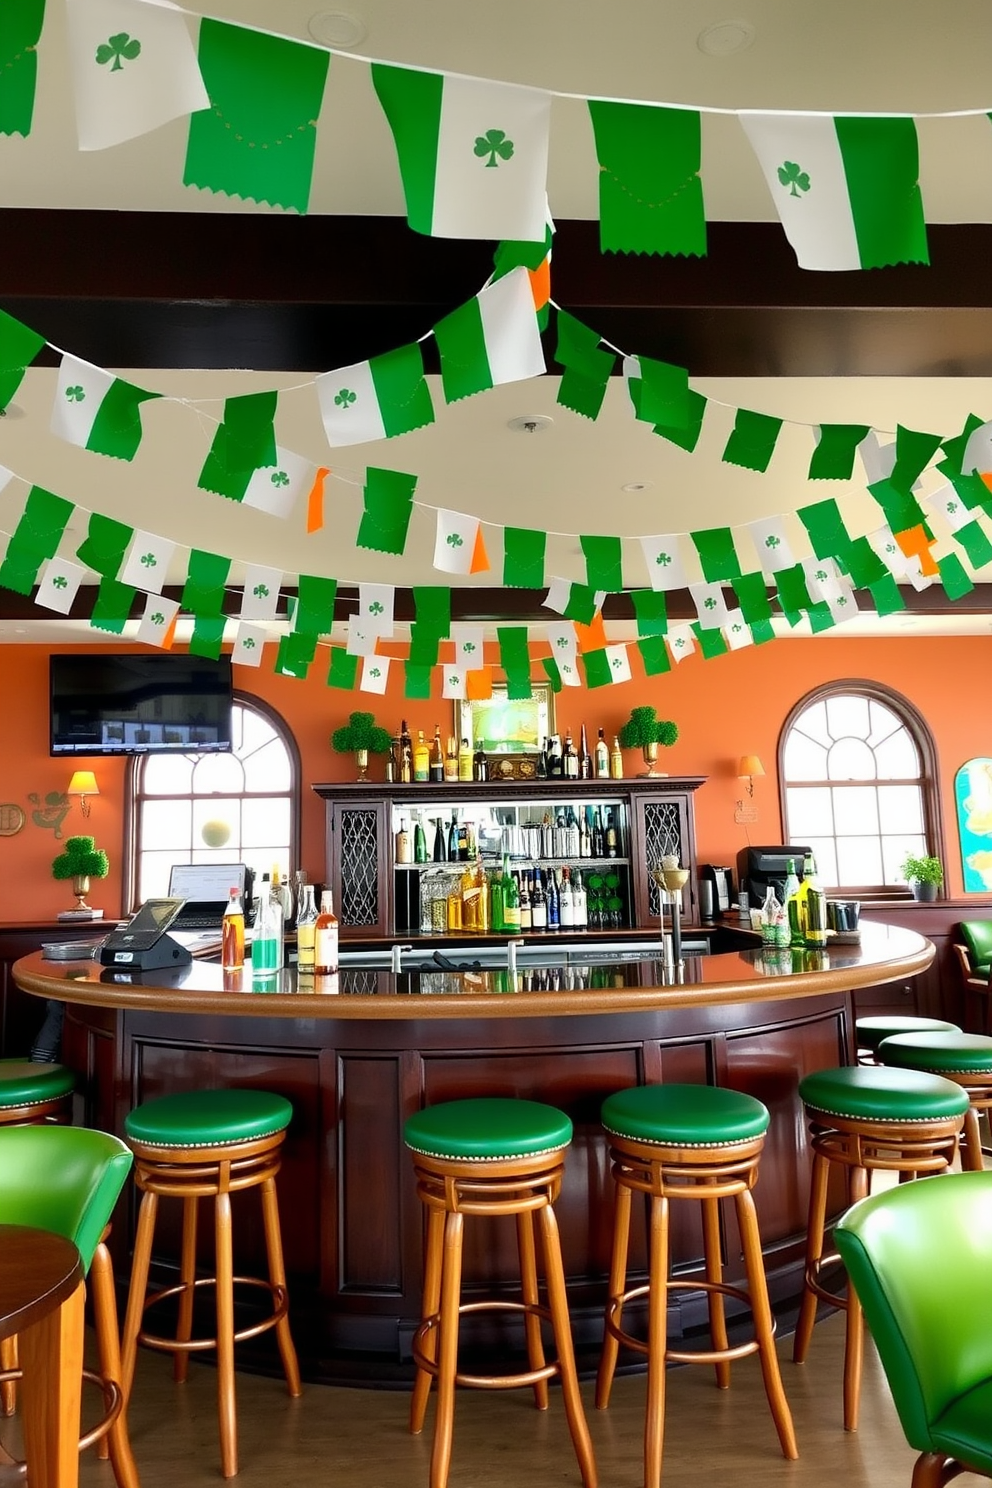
(81, 858)
(645, 727)
(360, 732)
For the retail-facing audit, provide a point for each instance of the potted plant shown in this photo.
(81, 860)
(360, 736)
(924, 876)
(644, 730)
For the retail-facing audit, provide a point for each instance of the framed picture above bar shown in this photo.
(499, 726)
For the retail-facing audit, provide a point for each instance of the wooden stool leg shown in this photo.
(109, 1353)
(529, 1292)
(714, 1300)
(277, 1276)
(451, 1281)
(52, 1359)
(431, 1304)
(139, 1286)
(226, 1404)
(654, 1424)
(764, 1331)
(814, 1251)
(8, 1390)
(554, 1273)
(187, 1275)
(854, 1343)
(971, 1147)
(617, 1284)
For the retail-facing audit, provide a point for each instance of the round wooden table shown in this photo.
(41, 1301)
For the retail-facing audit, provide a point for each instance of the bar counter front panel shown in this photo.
(355, 1062)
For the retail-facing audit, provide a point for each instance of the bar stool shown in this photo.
(701, 1143)
(31, 1093)
(491, 1156)
(872, 1030)
(965, 1058)
(208, 1144)
(867, 1118)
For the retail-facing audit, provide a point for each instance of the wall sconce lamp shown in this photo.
(749, 767)
(83, 784)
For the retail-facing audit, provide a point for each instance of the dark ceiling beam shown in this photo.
(132, 289)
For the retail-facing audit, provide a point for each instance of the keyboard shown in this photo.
(197, 922)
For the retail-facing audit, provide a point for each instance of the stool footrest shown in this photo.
(280, 1305)
(615, 1306)
(430, 1324)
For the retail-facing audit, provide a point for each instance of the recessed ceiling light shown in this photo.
(335, 28)
(530, 423)
(637, 486)
(724, 38)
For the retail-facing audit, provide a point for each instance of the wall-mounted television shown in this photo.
(163, 703)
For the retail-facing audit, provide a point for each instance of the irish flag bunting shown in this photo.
(491, 340)
(260, 594)
(473, 154)
(681, 642)
(454, 683)
(133, 68)
(374, 675)
(58, 584)
(376, 603)
(146, 562)
(977, 458)
(361, 642)
(157, 625)
(20, 31)
(459, 546)
(378, 399)
(469, 642)
(846, 190)
(96, 410)
(663, 558)
(948, 503)
(711, 607)
(736, 631)
(277, 488)
(249, 643)
(771, 543)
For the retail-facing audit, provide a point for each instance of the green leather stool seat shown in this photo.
(977, 936)
(939, 1053)
(684, 1115)
(24, 1083)
(487, 1128)
(208, 1118)
(878, 1093)
(871, 1031)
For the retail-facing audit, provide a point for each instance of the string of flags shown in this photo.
(472, 153)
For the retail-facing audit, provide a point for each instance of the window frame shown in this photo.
(917, 727)
(131, 815)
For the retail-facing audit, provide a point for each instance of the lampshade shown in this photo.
(749, 766)
(83, 784)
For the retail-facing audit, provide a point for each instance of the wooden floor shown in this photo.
(347, 1438)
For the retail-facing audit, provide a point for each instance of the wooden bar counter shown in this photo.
(361, 1052)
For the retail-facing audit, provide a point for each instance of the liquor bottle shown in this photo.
(232, 956)
(602, 758)
(419, 842)
(436, 766)
(406, 755)
(580, 911)
(421, 758)
(480, 765)
(306, 930)
(538, 903)
(496, 902)
(325, 937)
(455, 904)
(465, 761)
(462, 856)
(451, 761)
(598, 836)
(616, 760)
(470, 899)
(585, 760)
(551, 894)
(523, 904)
(403, 854)
(453, 840)
(266, 946)
(440, 850)
(392, 762)
(511, 900)
(611, 835)
(555, 762)
(813, 906)
(585, 836)
(790, 894)
(573, 847)
(542, 761)
(570, 760)
(566, 908)
(485, 902)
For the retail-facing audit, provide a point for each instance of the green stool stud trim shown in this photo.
(25, 1083)
(487, 1129)
(208, 1118)
(684, 1115)
(871, 1031)
(939, 1053)
(879, 1093)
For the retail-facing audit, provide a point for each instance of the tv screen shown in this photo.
(157, 704)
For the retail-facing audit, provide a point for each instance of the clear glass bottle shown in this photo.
(585, 759)
(511, 900)
(570, 760)
(770, 912)
(602, 757)
(233, 934)
(306, 928)
(790, 893)
(436, 766)
(325, 950)
(267, 942)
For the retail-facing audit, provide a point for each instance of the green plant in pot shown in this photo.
(360, 736)
(924, 876)
(81, 860)
(644, 730)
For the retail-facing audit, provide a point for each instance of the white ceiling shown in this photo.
(569, 478)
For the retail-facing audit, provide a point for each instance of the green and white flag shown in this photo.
(133, 68)
(841, 601)
(878, 459)
(618, 662)
(378, 399)
(96, 410)
(904, 566)
(771, 543)
(374, 675)
(469, 640)
(454, 682)
(823, 578)
(249, 643)
(260, 595)
(376, 604)
(949, 505)
(564, 645)
(977, 458)
(277, 488)
(663, 558)
(360, 642)
(58, 584)
(156, 623)
(563, 594)
(736, 631)
(711, 607)
(491, 340)
(146, 562)
(681, 641)
(846, 190)
(473, 154)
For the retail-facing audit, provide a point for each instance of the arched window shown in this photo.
(241, 807)
(857, 769)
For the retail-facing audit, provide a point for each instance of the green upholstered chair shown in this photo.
(31, 1093)
(973, 949)
(965, 1058)
(920, 1257)
(67, 1179)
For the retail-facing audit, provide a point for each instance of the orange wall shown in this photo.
(724, 708)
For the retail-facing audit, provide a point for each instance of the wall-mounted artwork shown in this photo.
(973, 796)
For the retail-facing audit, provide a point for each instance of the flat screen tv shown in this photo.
(103, 703)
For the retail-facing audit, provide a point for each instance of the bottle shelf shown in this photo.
(527, 863)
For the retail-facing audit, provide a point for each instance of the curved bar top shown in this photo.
(885, 954)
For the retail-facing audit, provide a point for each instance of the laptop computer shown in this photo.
(206, 887)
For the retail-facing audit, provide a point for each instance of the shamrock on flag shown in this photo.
(157, 625)
(378, 399)
(376, 603)
(663, 558)
(249, 642)
(58, 584)
(277, 488)
(711, 607)
(361, 642)
(133, 68)
(736, 631)
(375, 674)
(771, 543)
(823, 578)
(146, 562)
(96, 410)
(454, 681)
(473, 154)
(468, 641)
(563, 642)
(260, 594)
(948, 503)
(681, 642)
(846, 189)
(459, 546)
